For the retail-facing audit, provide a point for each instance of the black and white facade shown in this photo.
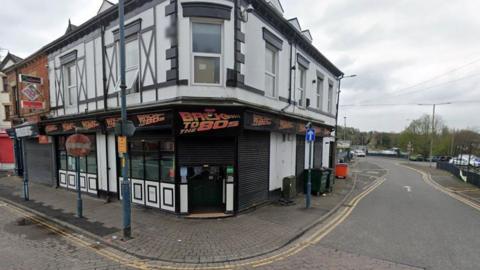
(219, 90)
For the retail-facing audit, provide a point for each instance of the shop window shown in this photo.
(136, 160)
(152, 159)
(207, 52)
(88, 164)
(152, 170)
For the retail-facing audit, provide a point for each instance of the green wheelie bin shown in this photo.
(319, 181)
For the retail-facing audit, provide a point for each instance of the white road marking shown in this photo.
(408, 188)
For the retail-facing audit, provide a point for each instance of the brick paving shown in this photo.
(26, 245)
(166, 237)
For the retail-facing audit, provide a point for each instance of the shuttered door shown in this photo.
(39, 162)
(318, 153)
(212, 151)
(300, 162)
(253, 168)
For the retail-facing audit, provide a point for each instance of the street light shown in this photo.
(339, 79)
(433, 124)
(125, 184)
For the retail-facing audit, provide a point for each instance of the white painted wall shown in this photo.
(326, 150)
(112, 162)
(282, 158)
(102, 161)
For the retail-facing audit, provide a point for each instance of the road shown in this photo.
(401, 223)
(409, 222)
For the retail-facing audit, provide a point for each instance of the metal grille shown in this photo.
(39, 162)
(197, 151)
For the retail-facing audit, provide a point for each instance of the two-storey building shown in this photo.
(28, 88)
(219, 91)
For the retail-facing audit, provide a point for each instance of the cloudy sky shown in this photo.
(405, 52)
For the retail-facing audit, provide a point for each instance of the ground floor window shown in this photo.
(88, 164)
(152, 159)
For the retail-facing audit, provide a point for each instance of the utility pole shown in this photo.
(126, 205)
(339, 79)
(344, 128)
(433, 125)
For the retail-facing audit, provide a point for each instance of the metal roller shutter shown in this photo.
(213, 151)
(253, 168)
(300, 165)
(39, 162)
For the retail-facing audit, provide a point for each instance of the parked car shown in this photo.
(360, 153)
(475, 162)
(417, 157)
(461, 161)
(445, 158)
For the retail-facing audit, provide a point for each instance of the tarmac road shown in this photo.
(407, 221)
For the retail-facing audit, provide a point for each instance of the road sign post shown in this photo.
(78, 145)
(309, 137)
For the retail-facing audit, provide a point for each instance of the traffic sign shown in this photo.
(78, 145)
(129, 128)
(310, 135)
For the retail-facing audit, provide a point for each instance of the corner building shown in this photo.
(219, 92)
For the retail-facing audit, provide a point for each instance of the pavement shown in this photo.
(167, 238)
(407, 221)
(450, 182)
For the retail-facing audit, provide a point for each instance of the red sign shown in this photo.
(78, 145)
(209, 120)
(32, 104)
(43, 139)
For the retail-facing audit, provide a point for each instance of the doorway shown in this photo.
(206, 185)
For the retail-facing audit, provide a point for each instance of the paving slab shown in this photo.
(167, 237)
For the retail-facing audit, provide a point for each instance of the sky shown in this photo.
(404, 52)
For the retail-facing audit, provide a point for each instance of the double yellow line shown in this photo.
(325, 230)
(428, 179)
(130, 261)
(78, 241)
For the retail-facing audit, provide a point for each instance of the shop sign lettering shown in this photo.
(68, 126)
(259, 121)
(193, 122)
(90, 124)
(51, 128)
(31, 92)
(150, 119)
(111, 122)
(283, 124)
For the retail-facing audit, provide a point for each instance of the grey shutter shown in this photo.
(253, 168)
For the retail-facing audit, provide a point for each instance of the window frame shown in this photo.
(270, 47)
(319, 92)
(330, 97)
(302, 74)
(7, 108)
(136, 82)
(67, 86)
(212, 55)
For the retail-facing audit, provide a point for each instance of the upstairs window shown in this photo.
(70, 80)
(7, 112)
(207, 52)
(270, 71)
(330, 97)
(302, 77)
(132, 63)
(319, 92)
